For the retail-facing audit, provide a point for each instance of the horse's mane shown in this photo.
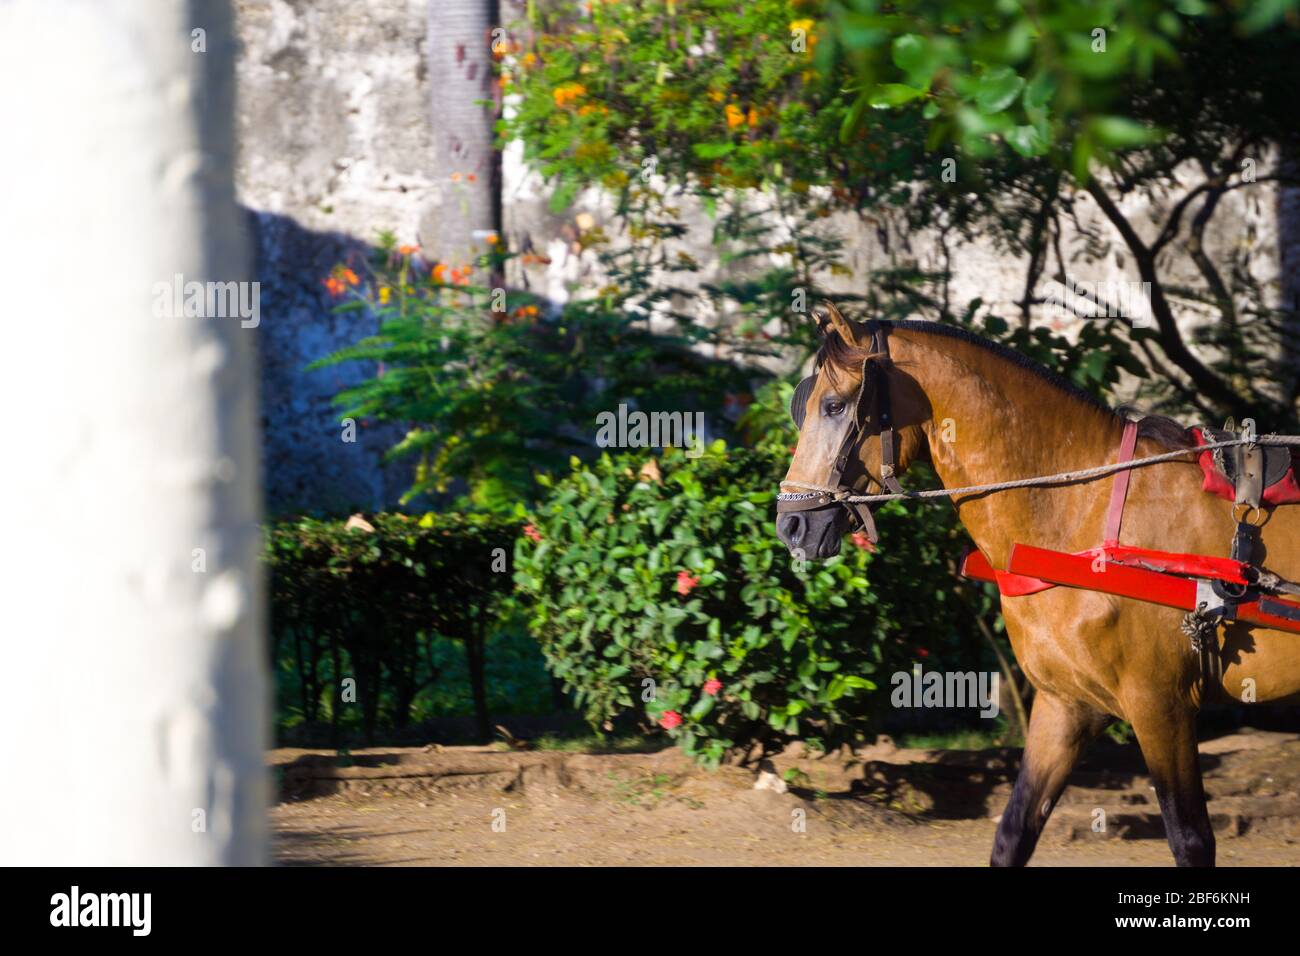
(1160, 428)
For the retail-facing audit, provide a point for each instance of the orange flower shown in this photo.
(348, 276)
(492, 239)
(408, 250)
(335, 287)
(439, 270)
(735, 117)
(566, 93)
(471, 177)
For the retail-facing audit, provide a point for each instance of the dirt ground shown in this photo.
(877, 806)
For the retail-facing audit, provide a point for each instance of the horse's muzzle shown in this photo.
(814, 534)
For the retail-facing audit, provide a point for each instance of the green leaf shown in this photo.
(916, 57)
(713, 150)
(853, 118)
(703, 707)
(1119, 132)
(1026, 141)
(888, 95)
(1261, 14)
(997, 89)
(1039, 91)
(563, 196)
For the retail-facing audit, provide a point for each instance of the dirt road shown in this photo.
(878, 806)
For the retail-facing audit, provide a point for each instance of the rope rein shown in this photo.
(1064, 477)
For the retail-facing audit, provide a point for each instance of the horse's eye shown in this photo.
(834, 408)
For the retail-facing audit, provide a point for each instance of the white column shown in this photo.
(134, 708)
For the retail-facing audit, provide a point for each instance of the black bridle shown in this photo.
(871, 415)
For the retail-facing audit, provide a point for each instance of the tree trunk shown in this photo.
(133, 600)
(1288, 237)
(474, 657)
(467, 165)
(559, 700)
(336, 697)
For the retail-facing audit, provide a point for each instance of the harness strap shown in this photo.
(880, 345)
(1119, 490)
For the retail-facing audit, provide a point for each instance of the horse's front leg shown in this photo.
(1059, 731)
(1167, 736)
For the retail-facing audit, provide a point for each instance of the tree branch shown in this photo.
(1171, 338)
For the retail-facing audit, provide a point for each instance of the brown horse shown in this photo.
(979, 413)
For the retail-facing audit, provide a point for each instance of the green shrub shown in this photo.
(491, 389)
(372, 604)
(679, 579)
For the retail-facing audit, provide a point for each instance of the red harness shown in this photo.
(1158, 577)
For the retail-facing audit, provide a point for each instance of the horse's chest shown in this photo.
(1060, 639)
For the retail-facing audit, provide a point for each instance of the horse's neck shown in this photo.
(992, 420)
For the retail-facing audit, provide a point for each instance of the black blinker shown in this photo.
(799, 404)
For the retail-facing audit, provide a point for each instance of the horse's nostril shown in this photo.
(792, 529)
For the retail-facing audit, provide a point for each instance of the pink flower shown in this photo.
(670, 719)
(712, 686)
(862, 541)
(532, 532)
(686, 583)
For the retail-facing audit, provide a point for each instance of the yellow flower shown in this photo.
(803, 29)
(385, 294)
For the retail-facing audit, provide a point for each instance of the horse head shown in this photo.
(855, 395)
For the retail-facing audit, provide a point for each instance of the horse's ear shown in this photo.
(828, 318)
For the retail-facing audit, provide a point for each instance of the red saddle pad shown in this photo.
(1282, 491)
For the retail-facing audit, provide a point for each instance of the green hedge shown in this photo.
(375, 604)
(679, 579)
